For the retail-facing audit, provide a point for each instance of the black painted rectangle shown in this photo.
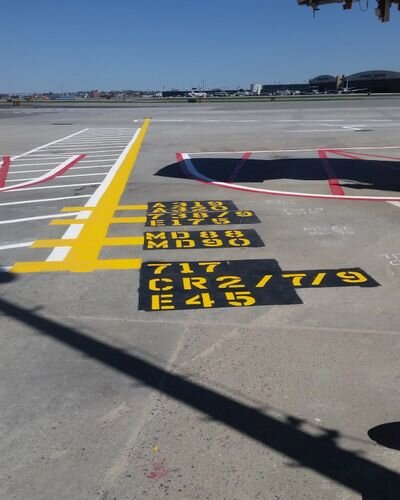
(241, 283)
(174, 207)
(220, 218)
(175, 240)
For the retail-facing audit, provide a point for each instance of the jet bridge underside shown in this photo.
(382, 9)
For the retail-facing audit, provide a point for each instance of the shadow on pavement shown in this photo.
(318, 453)
(355, 174)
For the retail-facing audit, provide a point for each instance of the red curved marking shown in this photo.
(4, 170)
(45, 178)
(239, 187)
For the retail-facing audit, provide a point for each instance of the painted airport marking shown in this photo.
(197, 213)
(192, 172)
(79, 248)
(174, 240)
(49, 176)
(166, 286)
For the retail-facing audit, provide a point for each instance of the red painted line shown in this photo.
(333, 181)
(4, 170)
(44, 178)
(239, 166)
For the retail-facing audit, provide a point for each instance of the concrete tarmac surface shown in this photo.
(200, 301)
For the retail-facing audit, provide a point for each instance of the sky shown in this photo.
(70, 45)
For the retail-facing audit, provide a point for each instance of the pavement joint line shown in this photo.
(93, 221)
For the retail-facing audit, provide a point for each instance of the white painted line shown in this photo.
(43, 200)
(48, 144)
(34, 164)
(308, 150)
(86, 151)
(58, 254)
(395, 203)
(55, 187)
(94, 199)
(46, 170)
(68, 176)
(37, 217)
(16, 245)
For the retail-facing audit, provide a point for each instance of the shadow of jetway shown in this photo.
(352, 173)
(321, 454)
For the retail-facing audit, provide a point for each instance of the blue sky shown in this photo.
(50, 45)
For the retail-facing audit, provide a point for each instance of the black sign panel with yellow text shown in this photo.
(163, 240)
(241, 283)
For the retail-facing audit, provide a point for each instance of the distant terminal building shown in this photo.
(375, 81)
(285, 87)
(325, 83)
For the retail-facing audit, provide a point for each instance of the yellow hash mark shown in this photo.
(107, 242)
(128, 220)
(132, 207)
(98, 265)
(77, 209)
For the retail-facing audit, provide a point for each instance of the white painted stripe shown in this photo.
(43, 177)
(64, 155)
(33, 164)
(46, 170)
(58, 254)
(55, 187)
(16, 245)
(43, 200)
(86, 151)
(37, 217)
(308, 150)
(94, 199)
(67, 176)
(395, 203)
(48, 144)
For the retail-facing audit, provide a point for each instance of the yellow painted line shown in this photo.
(107, 242)
(124, 241)
(98, 265)
(132, 207)
(84, 253)
(128, 220)
(67, 222)
(77, 209)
